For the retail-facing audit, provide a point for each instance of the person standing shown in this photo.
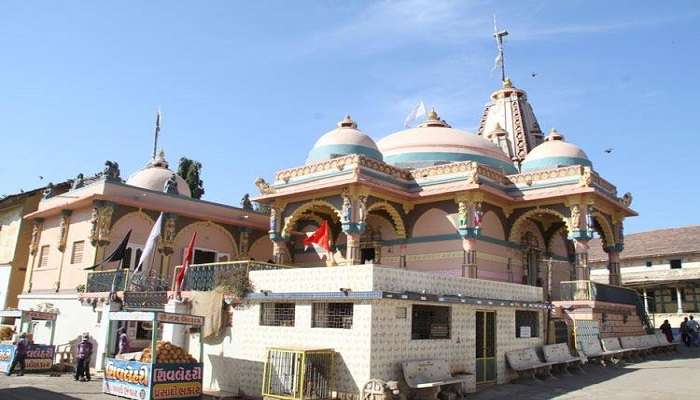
(666, 329)
(685, 335)
(21, 348)
(693, 330)
(82, 368)
(123, 341)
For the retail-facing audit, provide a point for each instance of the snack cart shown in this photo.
(161, 371)
(40, 357)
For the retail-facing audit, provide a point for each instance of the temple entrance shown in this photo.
(485, 347)
(368, 254)
(531, 258)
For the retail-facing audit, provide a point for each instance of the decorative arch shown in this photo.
(138, 213)
(492, 225)
(399, 226)
(607, 235)
(515, 231)
(138, 221)
(216, 226)
(291, 221)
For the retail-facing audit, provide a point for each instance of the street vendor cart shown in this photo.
(40, 357)
(161, 371)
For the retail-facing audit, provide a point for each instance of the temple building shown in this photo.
(75, 229)
(664, 266)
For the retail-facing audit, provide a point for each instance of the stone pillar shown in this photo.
(646, 301)
(679, 301)
(280, 253)
(402, 255)
(469, 268)
(614, 277)
(105, 334)
(352, 251)
(176, 333)
(243, 245)
(583, 272)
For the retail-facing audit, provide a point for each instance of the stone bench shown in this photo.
(427, 378)
(593, 350)
(613, 344)
(526, 361)
(560, 355)
(643, 344)
(664, 343)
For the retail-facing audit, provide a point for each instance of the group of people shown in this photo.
(83, 354)
(689, 331)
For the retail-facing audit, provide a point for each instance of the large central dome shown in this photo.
(344, 140)
(435, 142)
(155, 175)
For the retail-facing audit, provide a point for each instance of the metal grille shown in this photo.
(298, 374)
(526, 319)
(203, 276)
(430, 322)
(277, 314)
(101, 281)
(332, 315)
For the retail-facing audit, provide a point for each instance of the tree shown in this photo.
(189, 170)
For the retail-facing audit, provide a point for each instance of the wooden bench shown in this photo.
(560, 355)
(592, 349)
(427, 378)
(526, 362)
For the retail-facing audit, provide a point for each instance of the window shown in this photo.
(277, 314)
(76, 254)
(526, 324)
(44, 257)
(674, 294)
(144, 330)
(649, 263)
(204, 256)
(132, 256)
(676, 264)
(332, 315)
(430, 322)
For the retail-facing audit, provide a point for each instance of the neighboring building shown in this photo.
(15, 235)
(664, 266)
(77, 229)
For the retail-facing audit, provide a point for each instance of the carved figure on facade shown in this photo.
(463, 214)
(36, 234)
(111, 171)
(100, 224)
(246, 204)
(63, 234)
(626, 199)
(171, 185)
(78, 182)
(49, 191)
(586, 179)
(346, 210)
(243, 250)
(274, 219)
(167, 240)
(263, 186)
(361, 208)
(575, 218)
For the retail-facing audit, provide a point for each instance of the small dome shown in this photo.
(344, 140)
(555, 152)
(435, 142)
(155, 175)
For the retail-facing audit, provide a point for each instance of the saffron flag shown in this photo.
(186, 260)
(117, 254)
(320, 239)
(148, 251)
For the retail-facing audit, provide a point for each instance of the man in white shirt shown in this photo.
(693, 329)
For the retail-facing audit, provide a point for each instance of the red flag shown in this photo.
(321, 237)
(186, 260)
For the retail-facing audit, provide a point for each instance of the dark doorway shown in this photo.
(367, 254)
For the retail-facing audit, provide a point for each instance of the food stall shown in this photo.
(40, 357)
(160, 371)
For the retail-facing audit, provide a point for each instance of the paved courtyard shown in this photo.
(664, 377)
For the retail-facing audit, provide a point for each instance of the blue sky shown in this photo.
(247, 87)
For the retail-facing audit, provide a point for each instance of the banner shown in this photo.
(130, 379)
(7, 352)
(177, 381)
(39, 357)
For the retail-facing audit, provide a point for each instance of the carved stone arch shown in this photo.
(216, 226)
(515, 231)
(399, 227)
(291, 221)
(607, 234)
(138, 213)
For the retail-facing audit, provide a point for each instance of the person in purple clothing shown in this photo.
(82, 368)
(122, 340)
(21, 348)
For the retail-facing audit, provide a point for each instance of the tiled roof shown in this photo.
(653, 243)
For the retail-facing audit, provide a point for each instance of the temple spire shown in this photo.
(155, 134)
(500, 61)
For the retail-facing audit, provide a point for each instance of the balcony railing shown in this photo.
(102, 281)
(589, 290)
(203, 277)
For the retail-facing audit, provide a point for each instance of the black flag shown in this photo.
(117, 254)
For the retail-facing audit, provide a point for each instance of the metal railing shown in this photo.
(202, 277)
(102, 281)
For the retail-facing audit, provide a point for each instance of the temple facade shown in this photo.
(507, 203)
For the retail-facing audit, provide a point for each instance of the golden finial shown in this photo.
(507, 84)
(433, 115)
(347, 122)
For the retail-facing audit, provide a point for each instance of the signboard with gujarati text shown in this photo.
(183, 319)
(130, 379)
(177, 381)
(39, 357)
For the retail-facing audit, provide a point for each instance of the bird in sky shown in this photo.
(41, 177)
(609, 150)
(534, 74)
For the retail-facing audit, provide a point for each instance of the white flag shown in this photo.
(417, 111)
(151, 242)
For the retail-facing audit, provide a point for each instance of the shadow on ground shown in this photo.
(27, 392)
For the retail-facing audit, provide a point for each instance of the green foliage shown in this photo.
(234, 282)
(189, 170)
(80, 288)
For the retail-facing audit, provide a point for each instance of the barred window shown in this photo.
(44, 257)
(277, 314)
(430, 322)
(526, 324)
(76, 255)
(332, 315)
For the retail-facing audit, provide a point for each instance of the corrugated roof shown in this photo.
(659, 242)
